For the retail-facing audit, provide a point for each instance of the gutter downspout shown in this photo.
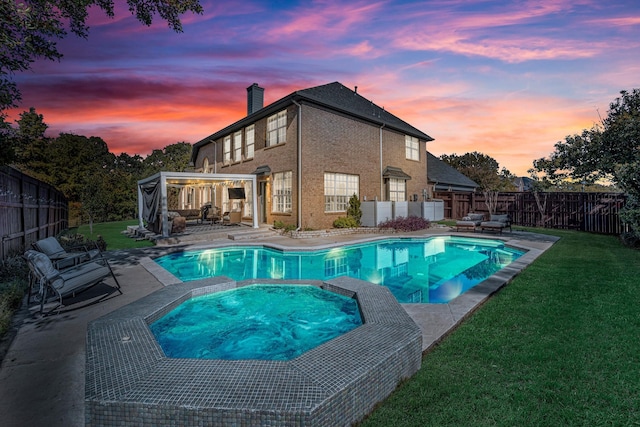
(214, 196)
(381, 179)
(299, 220)
(215, 156)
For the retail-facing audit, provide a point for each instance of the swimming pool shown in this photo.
(416, 270)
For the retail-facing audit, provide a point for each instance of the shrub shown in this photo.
(278, 224)
(411, 223)
(354, 211)
(346, 222)
(11, 295)
(289, 227)
(13, 284)
(70, 240)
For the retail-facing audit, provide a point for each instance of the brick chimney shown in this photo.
(255, 98)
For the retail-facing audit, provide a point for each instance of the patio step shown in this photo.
(254, 234)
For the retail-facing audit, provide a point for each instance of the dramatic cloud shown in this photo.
(508, 79)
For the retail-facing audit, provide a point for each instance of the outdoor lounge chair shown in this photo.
(496, 223)
(66, 283)
(472, 221)
(60, 257)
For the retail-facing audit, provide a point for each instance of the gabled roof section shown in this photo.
(441, 173)
(334, 96)
(338, 97)
(393, 172)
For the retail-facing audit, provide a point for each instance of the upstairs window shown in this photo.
(412, 145)
(250, 141)
(277, 129)
(237, 146)
(338, 189)
(226, 149)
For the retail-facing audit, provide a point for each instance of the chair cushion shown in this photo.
(43, 268)
(50, 247)
(473, 217)
(500, 218)
(81, 277)
(493, 224)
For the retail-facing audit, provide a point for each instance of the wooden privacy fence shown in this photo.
(593, 212)
(29, 210)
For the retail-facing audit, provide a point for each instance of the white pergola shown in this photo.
(183, 179)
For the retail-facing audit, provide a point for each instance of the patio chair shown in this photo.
(232, 218)
(60, 257)
(496, 223)
(66, 283)
(211, 213)
(472, 221)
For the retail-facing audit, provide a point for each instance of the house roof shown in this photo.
(523, 183)
(334, 96)
(439, 172)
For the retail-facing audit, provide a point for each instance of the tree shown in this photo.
(172, 158)
(29, 30)
(93, 198)
(7, 142)
(482, 169)
(609, 150)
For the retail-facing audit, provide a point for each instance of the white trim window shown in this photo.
(412, 147)
(226, 150)
(397, 189)
(338, 189)
(277, 129)
(250, 141)
(281, 192)
(237, 146)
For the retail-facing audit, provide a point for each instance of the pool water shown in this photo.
(265, 322)
(428, 270)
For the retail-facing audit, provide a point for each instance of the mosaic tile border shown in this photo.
(130, 382)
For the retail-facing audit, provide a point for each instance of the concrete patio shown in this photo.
(42, 377)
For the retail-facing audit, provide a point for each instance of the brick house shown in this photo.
(311, 151)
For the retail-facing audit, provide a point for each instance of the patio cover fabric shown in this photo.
(152, 193)
(150, 199)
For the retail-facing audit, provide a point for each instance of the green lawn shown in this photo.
(559, 346)
(111, 232)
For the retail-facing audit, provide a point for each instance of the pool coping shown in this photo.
(129, 380)
(436, 321)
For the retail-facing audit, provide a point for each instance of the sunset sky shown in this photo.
(506, 78)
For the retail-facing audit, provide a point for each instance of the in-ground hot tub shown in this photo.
(264, 322)
(131, 382)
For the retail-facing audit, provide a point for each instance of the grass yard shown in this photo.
(559, 346)
(111, 232)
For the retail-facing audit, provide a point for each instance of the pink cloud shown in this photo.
(322, 15)
(514, 127)
(497, 35)
(514, 131)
